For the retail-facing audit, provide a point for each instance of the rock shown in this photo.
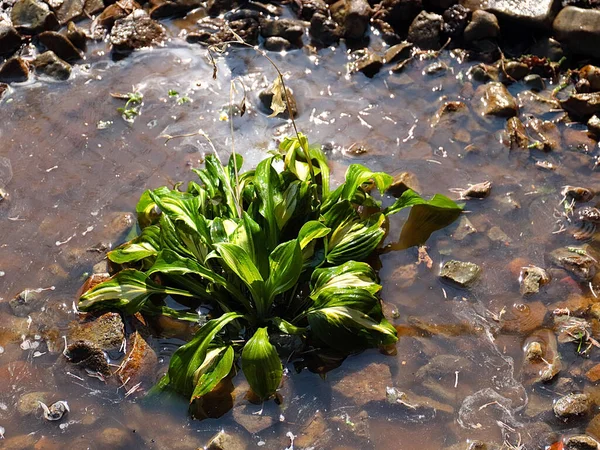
(464, 228)
(579, 30)
(174, 8)
(533, 351)
(226, 441)
(545, 132)
(277, 44)
(483, 73)
(547, 47)
(306, 9)
(21, 442)
(88, 357)
(517, 136)
(542, 359)
(105, 21)
(365, 386)
(33, 17)
(314, 434)
(51, 65)
(582, 105)
(59, 44)
(532, 278)
(571, 406)
(581, 442)
(523, 318)
(352, 16)
(29, 403)
(456, 19)
(593, 374)
(515, 70)
(535, 13)
(579, 263)
(245, 415)
(69, 10)
(107, 332)
(534, 82)
(370, 64)
(403, 182)
(139, 366)
(592, 75)
(462, 273)
(493, 99)
(398, 14)
(425, 31)
(416, 405)
(14, 70)
(113, 438)
(136, 31)
(483, 25)
(10, 40)
(436, 68)
(77, 36)
(496, 234)
(398, 52)
(290, 30)
(27, 302)
(594, 125)
(216, 7)
(266, 97)
(324, 31)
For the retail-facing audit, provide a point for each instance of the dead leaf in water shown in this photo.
(277, 103)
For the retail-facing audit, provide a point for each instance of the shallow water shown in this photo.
(72, 183)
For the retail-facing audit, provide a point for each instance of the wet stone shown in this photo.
(59, 44)
(462, 273)
(398, 52)
(581, 442)
(314, 434)
(579, 30)
(483, 25)
(107, 332)
(582, 105)
(140, 363)
(174, 8)
(52, 66)
(77, 36)
(364, 386)
(277, 44)
(582, 266)
(306, 9)
(496, 234)
(10, 40)
(517, 136)
(113, 438)
(464, 228)
(69, 10)
(226, 441)
(456, 19)
(136, 31)
(493, 99)
(547, 47)
(515, 70)
(26, 302)
(324, 31)
(523, 318)
(594, 125)
(353, 17)
(532, 278)
(32, 17)
(370, 64)
(534, 82)
(29, 403)
(572, 405)
(245, 415)
(14, 70)
(537, 13)
(425, 31)
(436, 68)
(290, 30)
(403, 182)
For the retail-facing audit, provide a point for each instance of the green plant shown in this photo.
(132, 107)
(271, 252)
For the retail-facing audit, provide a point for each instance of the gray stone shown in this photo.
(534, 82)
(462, 273)
(10, 40)
(33, 17)
(483, 25)
(581, 442)
(425, 31)
(536, 13)
(572, 405)
(547, 47)
(545, 132)
(579, 30)
(135, 31)
(51, 65)
(493, 99)
(532, 278)
(579, 263)
(69, 10)
(516, 70)
(226, 441)
(403, 182)
(277, 44)
(353, 17)
(107, 332)
(288, 29)
(594, 125)
(26, 302)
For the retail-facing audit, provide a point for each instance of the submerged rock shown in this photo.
(493, 99)
(277, 44)
(226, 441)
(26, 302)
(582, 105)
(51, 65)
(10, 40)
(33, 17)
(523, 318)
(398, 52)
(578, 263)
(517, 136)
(365, 386)
(29, 403)
(582, 442)
(571, 406)
(88, 357)
(545, 132)
(403, 182)
(425, 31)
(542, 359)
(462, 273)
(483, 25)
(314, 434)
(532, 278)
(136, 31)
(139, 365)
(77, 36)
(370, 64)
(579, 30)
(288, 29)
(14, 70)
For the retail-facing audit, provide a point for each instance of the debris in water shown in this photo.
(2, 431)
(479, 190)
(56, 411)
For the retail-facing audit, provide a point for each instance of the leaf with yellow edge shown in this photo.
(278, 104)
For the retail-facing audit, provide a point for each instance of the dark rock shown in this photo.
(77, 36)
(545, 132)
(247, 29)
(436, 68)
(324, 31)
(26, 302)
(240, 14)
(306, 9)
(398, 52)
(398, 13)
(582, 442)
(352, 16)
(387, 32)
(534, 82)
(106, 332)
(10, 40)
(547, 47)
(86, 356)
(266, 9)
(140, 363)
(425, 30)
(582, 105)
(59, 44)
(493, 99)
(173, 8)
(216, 7)
(403, 182)
(532, 278)
(135, 31)
(578, 263)
(594, 125)
(93, 7)
(579, 30)
(456, 19)
(515, 70)
(69, 10)
(105, 21)
(591, 74)
(535, 13)
(517, 136)
(290, 30)
(51, 65)
(439, 4)
(277, 44)
(583, 86)
(483, 25)
(370, 64)
(32, 17)
(483, 73)
(572, 405)
(463, 274)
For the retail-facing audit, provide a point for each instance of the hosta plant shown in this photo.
(269, 252)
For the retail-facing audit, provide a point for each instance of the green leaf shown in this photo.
(268, 184)
(355, 240)
(310, 231)
(285, 267)
(189, 357)
(250, 237)
(285, 209)
(155, 310)
(295, 149)
(144, 246)
(216, 366)
(127, 291)
(145, 208)
(261, 364)
(426, 216)
(286, 327)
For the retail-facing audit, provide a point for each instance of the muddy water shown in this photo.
(78, 169)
